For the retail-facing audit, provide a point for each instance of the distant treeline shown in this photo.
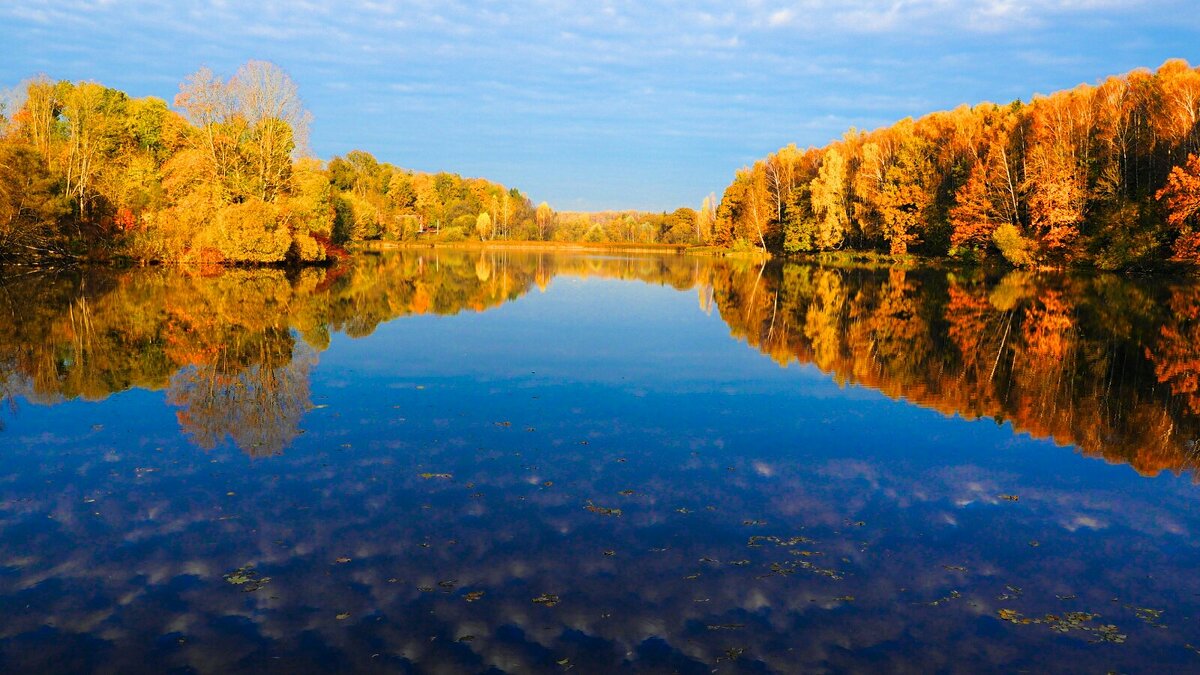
(681, 226)
(1105, 175)
(224, 176)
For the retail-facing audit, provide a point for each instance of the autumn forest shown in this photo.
(1104, 175)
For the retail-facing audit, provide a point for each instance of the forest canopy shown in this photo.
(1105, 174)
(222, 175)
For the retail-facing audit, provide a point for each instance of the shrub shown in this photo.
(453, 234)
(742, 246)
(1015, 248)
(306, 249)
(251, 232)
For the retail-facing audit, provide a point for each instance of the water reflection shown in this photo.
(1108, 365)
(432, 504)
(1098, 362)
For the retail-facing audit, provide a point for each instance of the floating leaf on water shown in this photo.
(602, 510)
(1150, 616)
(954, 595)
(473, 596)
(343, 616)
(546, 600)
(1109, 633)
(845, 598)
(726, 626)
(626, 492)
(342, 560)
(448, 583)
(1012, 594)
(548, 483)
(759, 539)
(955, 568)
(1034, 543)
(754, 523)
(505, 423)
(610, 553)
(732, 654)
(248, 578)
(1068, 622)
(1009, 498)
(465, 638)
(427, 476)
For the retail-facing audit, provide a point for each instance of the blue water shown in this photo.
(446, 500)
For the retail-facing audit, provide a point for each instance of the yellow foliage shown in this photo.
(250, 232)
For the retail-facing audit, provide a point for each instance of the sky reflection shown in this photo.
(438, 478)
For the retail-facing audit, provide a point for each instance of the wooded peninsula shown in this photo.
(1104, 175)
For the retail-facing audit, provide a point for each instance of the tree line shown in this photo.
(223, 176)
(1105, 174)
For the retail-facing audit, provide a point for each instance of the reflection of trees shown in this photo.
(233, 347)
(1059, 357)
(1082, 360)
(1176, 355)
(823, 320)
(256, 402)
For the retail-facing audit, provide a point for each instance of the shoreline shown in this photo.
(564, 246)
(846, 259)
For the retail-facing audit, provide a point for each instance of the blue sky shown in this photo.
(602, 104)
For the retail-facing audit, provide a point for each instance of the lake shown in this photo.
(464, 461)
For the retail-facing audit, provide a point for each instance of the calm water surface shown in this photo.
(500, 462)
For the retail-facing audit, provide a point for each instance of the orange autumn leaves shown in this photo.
(1102, 174)
(1182, 198)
